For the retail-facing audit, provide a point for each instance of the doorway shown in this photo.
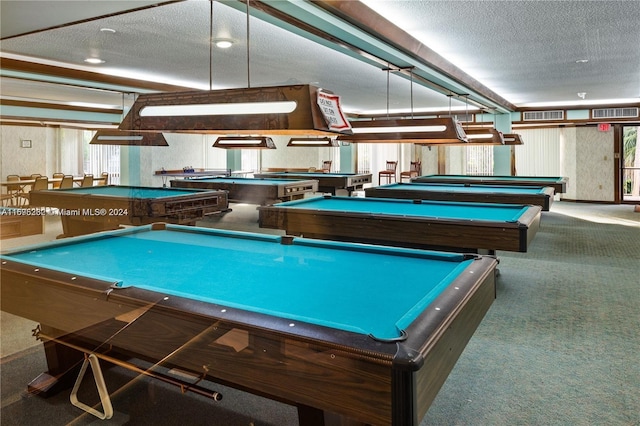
(630, 173)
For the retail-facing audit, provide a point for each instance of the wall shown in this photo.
(456, 160)
(582, 154)
(429, 158)
(197, 151)
(40, 158)
(48, 155)
(567, 139)
(594, 165)
(295, 157)
(184, 150)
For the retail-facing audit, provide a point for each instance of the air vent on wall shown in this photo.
(543, 115)
(615, 113)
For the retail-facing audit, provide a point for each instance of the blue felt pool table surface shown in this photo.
(246, 181)
(130, 191)
(309, 175)
(462, 188)
(408, 208)
(558, 183)
(261, 275)
(471, 178)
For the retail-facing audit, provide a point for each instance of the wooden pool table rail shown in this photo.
(404, 231)
(314, 368)
(13, 226)
(83, 213)
(543, 199)
(242, 191)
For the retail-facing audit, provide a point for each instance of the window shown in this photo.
(630, 165)
(101, 158)
(250, 160)
(363, 152)
(479, 160)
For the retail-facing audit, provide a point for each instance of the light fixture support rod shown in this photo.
(210, 44)
(248, 50)
(388, 73)
(411, 90)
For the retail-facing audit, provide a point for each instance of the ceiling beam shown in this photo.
(35, 17)
(84, 78)
(330, 40)
(362, 17)
(48, 105)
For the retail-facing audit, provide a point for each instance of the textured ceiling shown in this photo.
(525, 51)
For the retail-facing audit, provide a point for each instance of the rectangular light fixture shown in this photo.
(513, 139)
(296, 110)
(420, 131)
(219, 109)
(313, 142)
(484, 136)
(124, 137)
(244, 142)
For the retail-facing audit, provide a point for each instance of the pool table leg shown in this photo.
(63, 363)
(310, 416)
(327, 189)
(72, 226)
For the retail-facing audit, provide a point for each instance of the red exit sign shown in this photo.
(604, 127)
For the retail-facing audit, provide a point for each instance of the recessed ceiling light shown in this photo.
(94, 61)
(223, 43)
(582, 61)
(107, 30)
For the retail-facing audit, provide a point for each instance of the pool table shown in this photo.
(539, 196)
(559, 184)
(373, 343)
(16, 222)
(327, 182)
(99, 208)
(187, 173)
(253, 190)
(442, 225)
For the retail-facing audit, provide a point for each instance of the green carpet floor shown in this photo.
(561, 343)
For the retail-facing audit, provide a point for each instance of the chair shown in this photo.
(414, 171)
(326, 166)
(6, 199)
(55, 184)
(67, 182)
(104, 179)
(87, 181)
(41, 183)
(389, 172)
(14, 190)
